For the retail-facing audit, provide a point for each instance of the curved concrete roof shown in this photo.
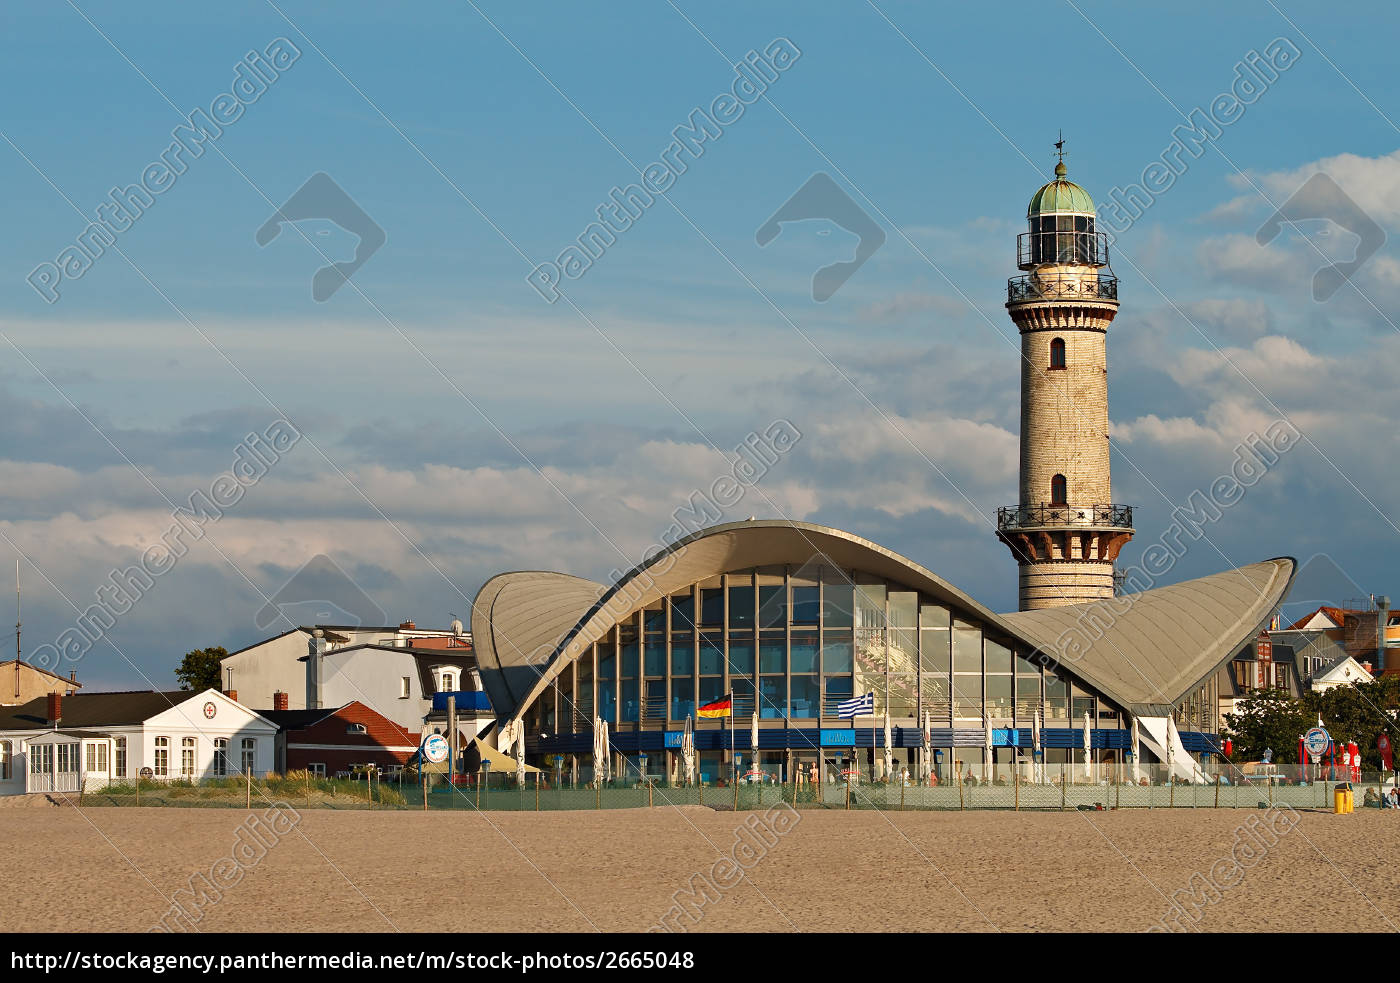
(518, 621)
(517, 616)
(1149, 649)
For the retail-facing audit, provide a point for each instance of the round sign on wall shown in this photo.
(435, 749)
(210, 709)
(1315, 741)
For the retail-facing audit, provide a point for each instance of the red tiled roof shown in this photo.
(1338, 616)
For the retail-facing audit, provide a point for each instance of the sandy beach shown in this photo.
(118, 869)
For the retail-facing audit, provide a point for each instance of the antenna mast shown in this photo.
(17, 624)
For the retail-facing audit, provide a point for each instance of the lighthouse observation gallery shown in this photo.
(796, 619)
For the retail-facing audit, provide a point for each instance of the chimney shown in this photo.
(279, 701)
(407, 626)
(1382, 619)
(55, 708)
(1366, 666)
(232, 694)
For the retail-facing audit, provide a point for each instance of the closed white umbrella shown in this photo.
(688, 751)
(520, 755)
(1137, 753)
(928, 748)
(889, 750)
(987, 757)
(1036, 770)
(1171, 752)
(607, 752)
(1088, 752)
(597, 750)
(573, 770)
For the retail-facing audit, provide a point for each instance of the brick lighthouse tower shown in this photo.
(1065, 533)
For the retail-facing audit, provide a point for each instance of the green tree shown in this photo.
(1267, 719)
(1359, 713)
(200, 670)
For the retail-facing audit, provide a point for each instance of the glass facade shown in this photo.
(793, 646)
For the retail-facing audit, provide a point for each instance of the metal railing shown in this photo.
(1077, 248)
(1050, 515)
(1062, 286)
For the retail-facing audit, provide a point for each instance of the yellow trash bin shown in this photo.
(1339, 802)
(1351, 800)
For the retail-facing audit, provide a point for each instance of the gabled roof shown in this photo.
(296, 719)
(1338, 617)
(33, 668)
(87, 710)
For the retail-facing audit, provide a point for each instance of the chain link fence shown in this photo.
(1049, 788)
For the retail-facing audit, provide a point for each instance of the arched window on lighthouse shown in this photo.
(1058, 492)
(1057, 353)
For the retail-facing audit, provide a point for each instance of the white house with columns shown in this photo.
(84, 741)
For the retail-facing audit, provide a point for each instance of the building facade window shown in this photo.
(120, 746)
(317, 768)
(403, 687)
(794, 644)
(187, 757)
(1059, 490)
(1057, 353)
(220, 756)
(41, 759)
(96, 756)
(160, 766)
(5, 760)
(249, 755)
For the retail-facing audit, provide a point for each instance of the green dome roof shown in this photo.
(1060, 196)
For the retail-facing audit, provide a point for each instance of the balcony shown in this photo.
(1062, 286)
(1045, 515)
(1065, 248)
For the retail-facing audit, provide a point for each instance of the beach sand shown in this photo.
(109, 869)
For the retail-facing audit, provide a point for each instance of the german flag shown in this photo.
(723, 707)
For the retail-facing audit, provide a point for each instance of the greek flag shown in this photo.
(861, 706)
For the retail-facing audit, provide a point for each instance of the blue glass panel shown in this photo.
(711, 689)
(837, 656)
(656, 658)
(682, 658)
(772, 606)
(772, 700)
(805, 693)
(771, 655)
(682, 699)
(607, 702)
(630, 660)
(741, 606)
(682, 612)
(741, 657)
(806, 605)
(630, 704)
(837, 605)
(711, 656)
(804, 651)
(712, 606)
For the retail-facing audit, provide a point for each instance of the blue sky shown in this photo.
(456, 425)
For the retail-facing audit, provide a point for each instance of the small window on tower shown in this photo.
(1057, 353)
(1059, 494)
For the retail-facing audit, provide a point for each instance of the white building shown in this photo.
(86, 740)
(403, 684)
(277, 665)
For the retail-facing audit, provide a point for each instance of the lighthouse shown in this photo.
(1065, 532)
